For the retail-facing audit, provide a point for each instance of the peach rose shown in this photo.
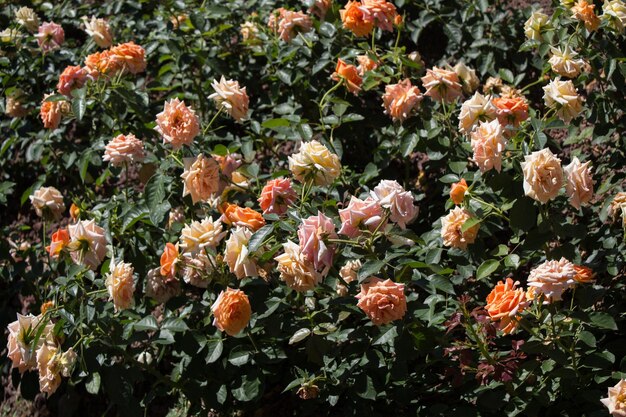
(21, 340)
(543, 175)
(442, 84)
(584, 274)
(349, 74)
(365, 64)
(402, 99)
(199, 235)
(287, 23)
(50, 36)
(452, 232)
(88, 243)
(488, 144)
(102, 63)
(60, 240)
(315, 162)
(120, 284)
(231, 311)
(14, 107)
(320, 7)
(382, 301)
(48, 357)
(535, 25)
(614, 11)
(477, 109)
(355, 19)
(177, 123)
(511, 110)
(469, 80)
(579, 183)
(457, 192)
(161, 288)
(201, 178)
(552, 278)
(48, 202)
(563, 61)
(311, 235)
(349, 272)
(562, 97)
(51, 112)
(229, 96)
(99, 30)
(232, 214)
(400, 203)
(616, 399)
(583, 11)
(169, 260)
(299, 274)
(27, 17)
(381, 12)
(123, 149)
(367, 213)
(132, 57)
(504, 303)
(71, 77)
(277, 196)
(237, 255)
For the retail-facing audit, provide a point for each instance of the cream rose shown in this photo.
(616, 399)
(543, 175)
(314, 161)
(198, 235)
(488, 143)
(579, 183)
(468, 77)
(476, 109)
(535, 24)
(615, 12)
(237, 254)
(564, 62)
(88, 243)
(562, 97)
(120, 285)
(296, 270)
(452, 229)
(201, 178)
(48, 202)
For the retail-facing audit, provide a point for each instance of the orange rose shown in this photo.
(169, 259)
(457, 192)
(102, 63)
(355, 20)
(131, 57)
(60, 239)
(231, 311)
(584, 274)
(74, 212)
(504, 303)
(46, 306)
(511, 110)
(583, 11)
(242, 216)
(349, 74)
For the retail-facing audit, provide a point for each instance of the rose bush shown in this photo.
(313, 208)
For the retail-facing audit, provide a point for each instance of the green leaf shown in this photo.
(215, 347)
(409, 143)
(469, 223)
(93, 384)
(387, 337)
(259, 237)
(523, 214)
(175, 324)
(603, 321)
(146, 323)
(299, 336)
(249, 388)
(79, 103)
(369, 268)
(487, 268)
(274, 123)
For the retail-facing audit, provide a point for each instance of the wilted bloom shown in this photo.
(442, 84)
(617, 207)
(308, 391)
(72, 77)
(177, 123)
(367, 213)
(249, 31)
(231, 311)
(27, 17)
(584, 274)
(349, 74)
(21, 340)
(400, 202)
(229, 96)
(198, 235)
(199, 269)
(237, 255)
(120, 285)
(296, 270)
(60, 240)
(14, 106)
(478, 108)
(315, 162)
(511, 110)
(504, 303)
(400, 100)
(130, 56)
(355, 19)
(169, 260)
(492, 85)
(382, 12)
(452, 229)
(365, 64)
(536, 24)
(468, 77)
(349, 272)
(543, 175)
(320, 8)
(288, 23)
(51, 112)
(488, 143)
(552, 278)
(277, 196)
(161, 288)
(50, 36)
(232, 214)
(457, 191)
(66, 362)
(615, 13)
(564, 62)
(123, 149)
(382, 301)
(48, 356)
(583, 11)
(201, 177)
(579, 183)
(311, 235)
(48, 202)
(99, 31)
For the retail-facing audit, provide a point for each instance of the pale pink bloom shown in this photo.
(442, 84)
(488, 143)
(50, 36)
(201, 178)
(72, 77)
(161, 288)
(48, 202)
(120, 285)
(366, 64)
(552, 278)
(368, 213)
(382, 12)
(402, 99)
(477, 109)
(452, 229)
(123, 149)
(177, 123)
(562, 97)
(88, 243)
(229, 96)
(349, 272)
(296, 270)
(99, 30)
(400, 202)
(289, 23)
(20, 342)
(277, 196)
(237, 255)
(616, 399)
(382, 301)
(579, 183)
(48, 357)
(543, 175)
(311, 235)
(197, 236)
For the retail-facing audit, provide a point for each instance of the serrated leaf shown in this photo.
(487, 268)
(147, 323)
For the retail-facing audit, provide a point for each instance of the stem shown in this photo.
(219, 111)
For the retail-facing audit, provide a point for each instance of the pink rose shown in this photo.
(392, 196)
(277, 196)
(488, 143)
(50, 36)
(368, 213)
(311, 235)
